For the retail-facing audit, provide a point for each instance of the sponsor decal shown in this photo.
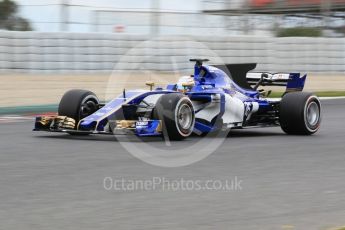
(142, 123)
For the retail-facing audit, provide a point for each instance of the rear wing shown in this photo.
(240, 74)
(292, 81)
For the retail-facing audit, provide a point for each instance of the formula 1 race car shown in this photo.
(218, 97)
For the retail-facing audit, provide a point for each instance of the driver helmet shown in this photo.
(185, 83)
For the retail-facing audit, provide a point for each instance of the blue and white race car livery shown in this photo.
(215, 98)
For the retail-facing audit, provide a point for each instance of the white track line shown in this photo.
(14, 118)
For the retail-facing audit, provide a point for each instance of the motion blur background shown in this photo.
(192, 17)
(49, 46)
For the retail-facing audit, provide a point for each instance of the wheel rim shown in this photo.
(313, 114)
(185, 117)
(87, 108)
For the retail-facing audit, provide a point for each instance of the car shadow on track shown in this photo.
(238, 133)
(255, 133)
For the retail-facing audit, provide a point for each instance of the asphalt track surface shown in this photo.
(54, 181)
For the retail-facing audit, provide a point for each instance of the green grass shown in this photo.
(28, 109)
(276, 94)
(300, 32)
(331, 94)
(340, 228)
(319, 94)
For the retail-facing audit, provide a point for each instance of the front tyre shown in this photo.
(300, 113)
(78, 104)
(177, 115)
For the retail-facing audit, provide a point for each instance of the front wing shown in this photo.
(67, 125)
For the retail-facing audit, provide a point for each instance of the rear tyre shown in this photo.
(78, 104)
(177, 115)
(300, 113)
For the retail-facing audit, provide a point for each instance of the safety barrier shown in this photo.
(98, 52)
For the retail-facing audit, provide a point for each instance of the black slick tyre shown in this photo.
(177, 115)
(78, 104)
(300, 113)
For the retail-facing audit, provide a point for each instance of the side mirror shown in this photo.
(188, 84)
(150, 84)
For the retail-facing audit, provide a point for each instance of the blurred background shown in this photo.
(222, 17)
(52, 45)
